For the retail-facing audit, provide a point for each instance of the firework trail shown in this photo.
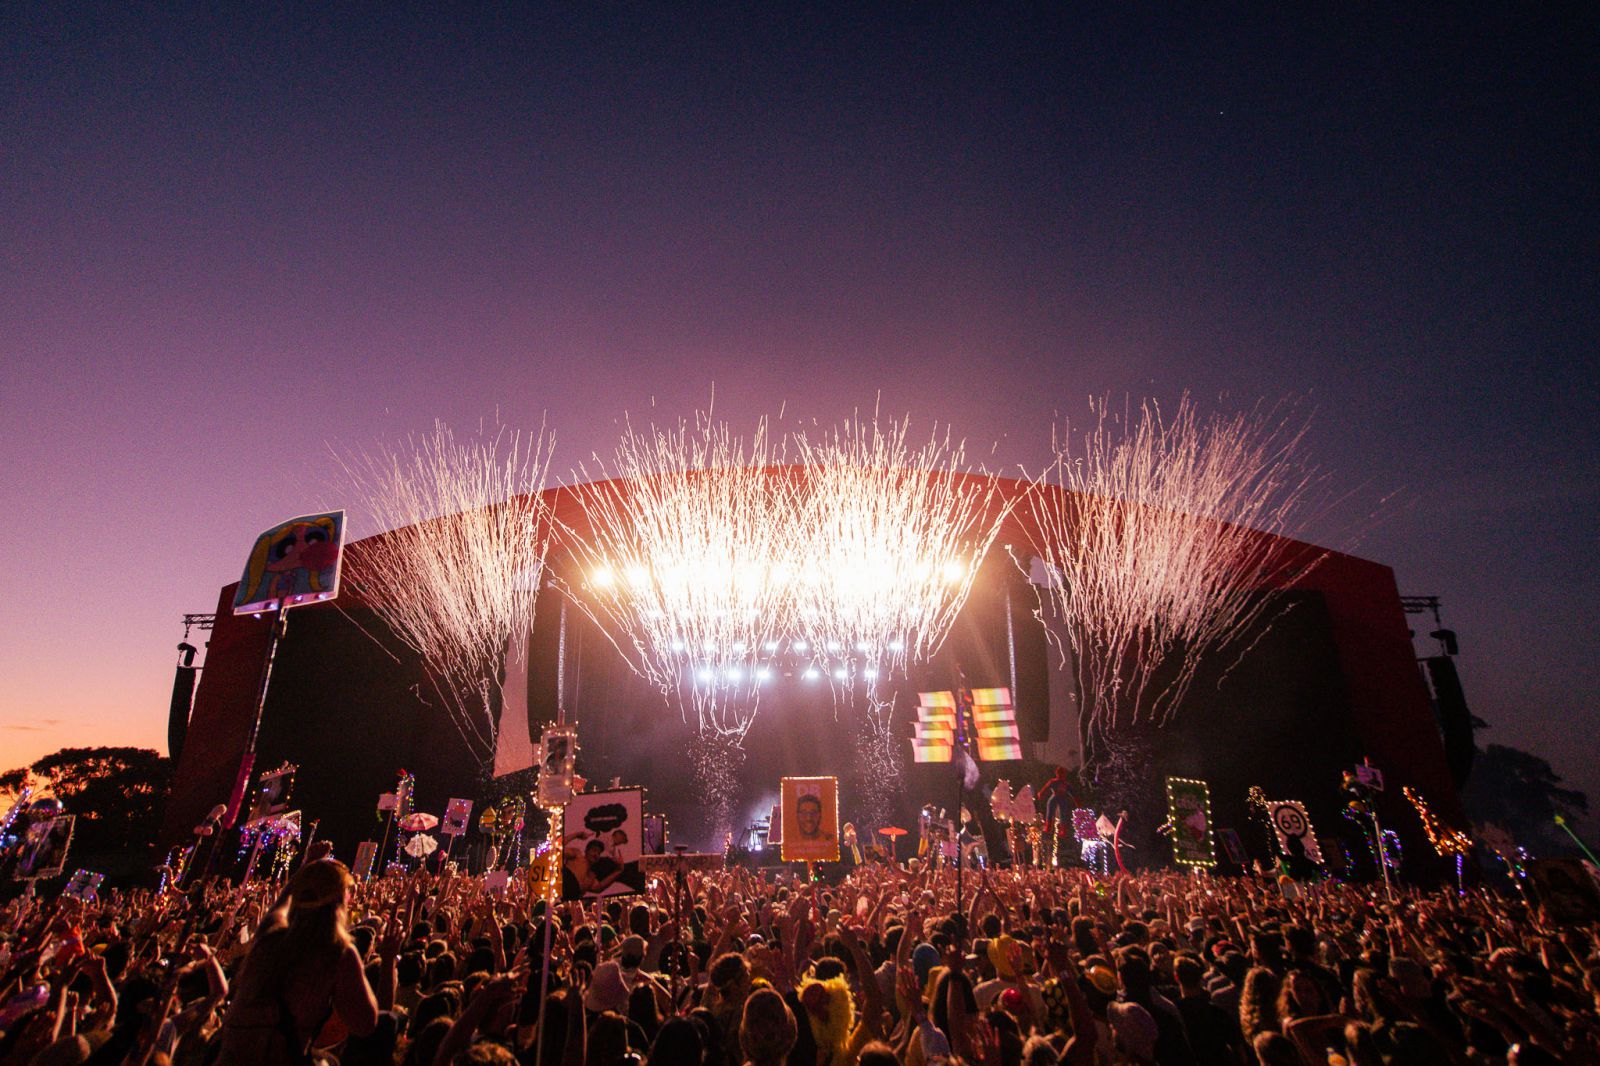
(1152, 527)
(682, 564)
(888, 538)
(457, 573)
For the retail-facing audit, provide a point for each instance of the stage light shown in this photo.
(638, 576)
(861, 645)
(733, 673)
(763, 673)
(708, 646)
(801, 646)
(870, 673)
(812, 673)
(897, 645)
(953, 572)
(705, 674)
(679, 646)
(839, 674)
(833, 645)
(738, 647)
(602, 577)
(772, 645)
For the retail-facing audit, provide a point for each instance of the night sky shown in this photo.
(229, 241)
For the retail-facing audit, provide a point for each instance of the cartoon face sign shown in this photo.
(292, 563)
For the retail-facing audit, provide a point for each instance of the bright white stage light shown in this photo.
(812, 673)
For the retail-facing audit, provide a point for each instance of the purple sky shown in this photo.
(226, 243)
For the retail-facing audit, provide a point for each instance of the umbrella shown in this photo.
(416, 823)
(421, 846)
(893, 832)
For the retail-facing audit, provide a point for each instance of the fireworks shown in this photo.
(683, 563)
(889, 537)
(1153, 528)
(458, 572)
(699, 558)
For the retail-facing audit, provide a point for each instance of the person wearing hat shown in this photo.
(1006, 955)
(1135, 1031)
(615, 979)
(767, 1029)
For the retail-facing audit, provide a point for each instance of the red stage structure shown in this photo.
(1334, 680)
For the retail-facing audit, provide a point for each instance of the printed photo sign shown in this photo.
(558, 757)
(810, 819)
(47, 845)
(1189, 808)
(457, 816)
(83, 885)
(272, 795)
(602, 835)
(293, 563)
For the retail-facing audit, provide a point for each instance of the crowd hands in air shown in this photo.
(732, 967)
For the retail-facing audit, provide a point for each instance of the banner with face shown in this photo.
(810, 819)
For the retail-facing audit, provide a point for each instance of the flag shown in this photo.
(996, 725)
(935, 727)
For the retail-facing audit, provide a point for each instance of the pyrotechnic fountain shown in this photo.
(887, 539)
(1155, 545)
(458, 572)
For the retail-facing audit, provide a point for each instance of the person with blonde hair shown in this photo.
(302, 970)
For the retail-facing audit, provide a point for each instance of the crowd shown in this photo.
(731, 967)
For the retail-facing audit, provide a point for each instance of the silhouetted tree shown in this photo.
(1518, 790)
(117, 794)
